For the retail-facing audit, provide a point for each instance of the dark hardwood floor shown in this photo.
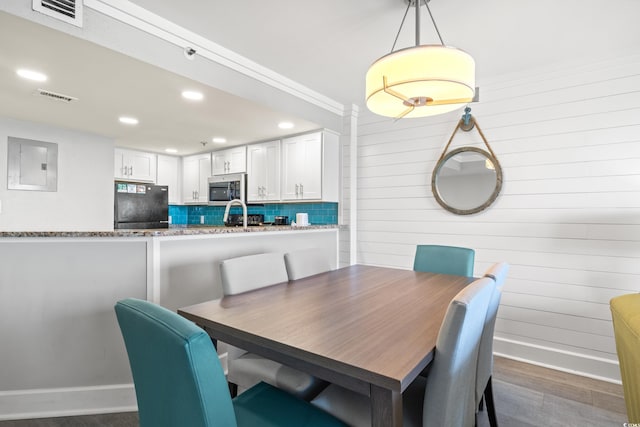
(525, 396)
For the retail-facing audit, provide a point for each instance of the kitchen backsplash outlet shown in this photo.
(319, 213)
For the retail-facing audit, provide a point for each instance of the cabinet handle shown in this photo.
(130, 170)
(301, 190)
(297, 189)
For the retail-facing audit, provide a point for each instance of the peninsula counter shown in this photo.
(62, 352)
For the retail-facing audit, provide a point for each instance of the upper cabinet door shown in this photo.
(169, 175)
(302, 167)
(135, 165)
(232, 160)
(196, 171)
(263, 172)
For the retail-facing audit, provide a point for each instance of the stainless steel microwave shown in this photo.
(224, 188)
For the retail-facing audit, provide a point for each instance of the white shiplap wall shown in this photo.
(568, 216)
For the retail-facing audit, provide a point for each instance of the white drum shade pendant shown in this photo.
(420, 81)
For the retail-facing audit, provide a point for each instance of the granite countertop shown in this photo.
(165, 232)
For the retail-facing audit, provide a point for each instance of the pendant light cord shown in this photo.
(400, 29)
(426, 3)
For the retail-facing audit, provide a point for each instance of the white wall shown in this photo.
(84, 199)
(568, 217)
(62, 351)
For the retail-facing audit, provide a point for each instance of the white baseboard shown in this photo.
(58, 402)
(561, 360)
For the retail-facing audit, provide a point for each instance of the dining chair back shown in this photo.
(244, 370)
(444, 259)
(247, 273)
(498, 272)
(625, 312)
(306, 262)
(176, 373)
(447, 396)
(179, 380)
(450, 392)
(484, 387)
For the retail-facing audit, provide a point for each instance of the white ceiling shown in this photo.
(326, 45)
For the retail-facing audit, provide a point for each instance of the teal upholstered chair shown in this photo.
(248, 273)
(444, 259)
(484, 388)
(447, 396)
(179, 380)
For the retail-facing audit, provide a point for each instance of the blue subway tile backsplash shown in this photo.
(319, 213)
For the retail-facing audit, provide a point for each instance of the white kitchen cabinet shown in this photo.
(232, 160)
(310, 167)
(169, 175)
(134, 165)
(196, 171)
(263, 172)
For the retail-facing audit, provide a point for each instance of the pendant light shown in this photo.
(420, 81)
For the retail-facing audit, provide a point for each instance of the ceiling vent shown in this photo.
(56, 96)
(69, 11)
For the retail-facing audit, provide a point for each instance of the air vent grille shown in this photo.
(69, 11)
(56, 96)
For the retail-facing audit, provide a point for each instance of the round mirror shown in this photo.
(466, 180)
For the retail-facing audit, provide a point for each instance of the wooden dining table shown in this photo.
(369, 329)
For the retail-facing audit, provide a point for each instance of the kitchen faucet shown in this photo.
(244, 211)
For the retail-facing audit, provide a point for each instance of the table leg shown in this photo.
(386, 407)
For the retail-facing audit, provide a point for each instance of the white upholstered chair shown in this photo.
(447, 396)
(248, 273)
(484, 388)
(306, 262)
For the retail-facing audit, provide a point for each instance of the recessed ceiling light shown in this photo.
(192, 95)
(171, 150)
(31, 75)
(219, 140)
(128, 120)
(285, 125)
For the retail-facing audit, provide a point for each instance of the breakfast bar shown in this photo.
(61, 287)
